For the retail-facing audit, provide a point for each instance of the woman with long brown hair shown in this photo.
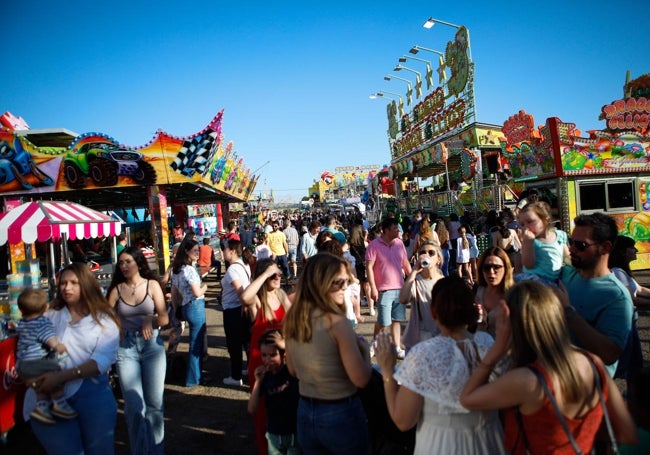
(329, 360)
(547, 369)
(266, 304)
(90, 329)
(495, 277)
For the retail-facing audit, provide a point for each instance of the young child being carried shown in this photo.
(544, 249)
(36, 339)
(281, 390)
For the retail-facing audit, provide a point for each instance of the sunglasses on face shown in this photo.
(580, 245)
(338, 284)
(275, 276)
(489, 267)
(429, 252)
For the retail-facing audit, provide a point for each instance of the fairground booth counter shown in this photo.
(441, 139)
(99, 174)
(607, 171)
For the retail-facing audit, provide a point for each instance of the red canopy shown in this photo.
(44, 220)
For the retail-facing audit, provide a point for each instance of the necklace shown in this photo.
(134, 285)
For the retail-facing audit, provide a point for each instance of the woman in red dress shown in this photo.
(266, 303)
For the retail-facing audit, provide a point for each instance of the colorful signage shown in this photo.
(95, 160)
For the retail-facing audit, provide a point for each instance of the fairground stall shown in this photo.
(441, 140)
(97, 171)
(607, 171)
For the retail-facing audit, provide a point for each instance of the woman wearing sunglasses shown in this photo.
(417, 289)
(331, 363)
(266, 303)
(495, 277)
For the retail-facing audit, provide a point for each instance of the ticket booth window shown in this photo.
(608, 196)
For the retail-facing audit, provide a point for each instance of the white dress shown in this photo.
(438, 369)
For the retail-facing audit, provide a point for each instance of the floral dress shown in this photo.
(438, 369)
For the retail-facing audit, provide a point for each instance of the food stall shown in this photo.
(608, 171)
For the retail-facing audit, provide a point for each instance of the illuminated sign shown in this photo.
(628, 114)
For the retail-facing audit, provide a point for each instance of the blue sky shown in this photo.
(294, 77)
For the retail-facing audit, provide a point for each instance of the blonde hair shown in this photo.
(312, 293)
(463, 233)
(542, 210)
(540, 334)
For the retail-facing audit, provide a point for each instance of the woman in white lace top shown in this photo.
(425, 389)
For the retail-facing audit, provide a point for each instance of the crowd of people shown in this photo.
(512, 349)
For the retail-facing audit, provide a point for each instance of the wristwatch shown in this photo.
(569, 311)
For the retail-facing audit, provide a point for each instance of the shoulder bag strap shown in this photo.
(551, 398)
(417, 300)
(608, 423)
(521, 432)
(243, 267)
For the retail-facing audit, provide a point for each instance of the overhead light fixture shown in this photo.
(414, 50)
(398, 68)
(429, 23)
(387, 78)
(402, 60)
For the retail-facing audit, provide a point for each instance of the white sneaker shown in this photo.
(372, 312)
(232, 382)
(372, 349)
(401, 353)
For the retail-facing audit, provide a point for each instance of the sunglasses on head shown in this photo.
(495, 267)
(338, 284)
(429, 252)
(580, 245)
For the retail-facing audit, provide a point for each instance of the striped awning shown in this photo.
(45, 220)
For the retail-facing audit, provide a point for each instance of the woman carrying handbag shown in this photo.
(556, 396)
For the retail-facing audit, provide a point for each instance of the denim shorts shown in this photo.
(293, 254)
(389, 308)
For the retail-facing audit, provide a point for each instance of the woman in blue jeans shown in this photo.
(328, 359)
(187, 281)
(141, 361)
(89, 328)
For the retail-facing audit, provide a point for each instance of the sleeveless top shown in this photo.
(132, 316)
(260, 326)
(544, 432)
(318, 364)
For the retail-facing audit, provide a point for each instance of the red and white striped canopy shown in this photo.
(44, 220)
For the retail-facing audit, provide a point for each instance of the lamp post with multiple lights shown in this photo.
(418, 79)
(409, 91)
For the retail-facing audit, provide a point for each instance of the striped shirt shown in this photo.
(32, 335)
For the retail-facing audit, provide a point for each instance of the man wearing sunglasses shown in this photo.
(599, 308)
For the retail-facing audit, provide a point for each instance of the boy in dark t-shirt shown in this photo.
(272, 380)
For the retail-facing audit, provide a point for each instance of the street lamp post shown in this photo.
(429, 75)
(431, 22)
(418, 79)
(384, 94)
(409, 92)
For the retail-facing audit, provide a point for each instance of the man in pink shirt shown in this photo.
(386, 265)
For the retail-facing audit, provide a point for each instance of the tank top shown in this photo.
(318, 364)
(543, 430)
(132, 316)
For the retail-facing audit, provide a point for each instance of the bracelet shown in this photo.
(388, 379)
(77, 372)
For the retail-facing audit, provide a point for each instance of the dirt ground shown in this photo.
(213, 419)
